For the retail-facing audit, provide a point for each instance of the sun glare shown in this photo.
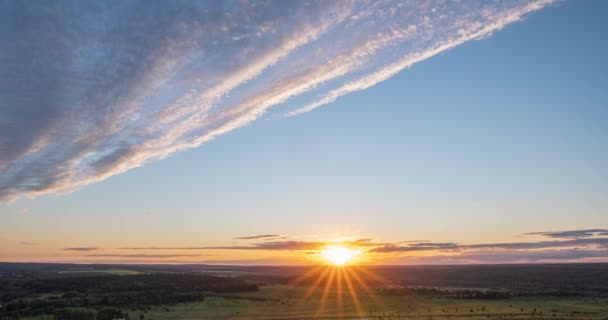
(339, 255)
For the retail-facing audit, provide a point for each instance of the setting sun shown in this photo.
(339, 255)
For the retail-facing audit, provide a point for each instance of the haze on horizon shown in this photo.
(262, 132)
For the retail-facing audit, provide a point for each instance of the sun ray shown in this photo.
(339, 293)
(376, 277)
(328, 285)
(308, 274)
(354, 296)
(366, 288)
(315, 285)
(298, 280)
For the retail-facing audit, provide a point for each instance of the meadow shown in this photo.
(286, 302)
(43, 292)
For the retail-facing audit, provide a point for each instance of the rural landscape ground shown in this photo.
(44, 291)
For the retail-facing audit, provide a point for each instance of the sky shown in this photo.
(419, 132)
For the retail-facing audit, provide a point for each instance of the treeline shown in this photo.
(134, 292)
(589, 280)
(475, 293)
(452, 293)
(141, 282)
(87, 314)
(140, 300)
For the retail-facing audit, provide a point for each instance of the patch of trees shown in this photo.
(69, 297)
(112, 314)
(31, 307)
(554, 279)
(148, 298)
(74, 314)
(456, 294)
(475, 293)
(142, 282)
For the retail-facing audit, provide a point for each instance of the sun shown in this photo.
(339, 255)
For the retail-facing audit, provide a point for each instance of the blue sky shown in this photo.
(482, 143)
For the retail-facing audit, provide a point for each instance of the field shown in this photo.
(284, 302)
(163, 292)
(119, 272)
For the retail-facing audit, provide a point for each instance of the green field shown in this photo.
(118, 272)
(282, 302)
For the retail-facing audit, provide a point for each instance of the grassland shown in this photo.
(118, 272)
(284, 302)
(527, 292)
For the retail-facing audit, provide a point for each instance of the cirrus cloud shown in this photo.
(92, 89)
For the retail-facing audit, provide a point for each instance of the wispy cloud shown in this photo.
(462, 29)
(277, 245)
(144, 256)
(568, 245)
(271, 245)
(81, 249)
(163, 248)
(511, 256)
(421, 246)
(261, 236)
(93, 89)
(291, 245)
(572, 234)
(25, 243)
(596, 243)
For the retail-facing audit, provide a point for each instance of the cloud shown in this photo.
(568, 246)
(572, 234)
(162, 248)
(278, 245)
(590, 246)
(422, 246)
(272, 245)
(93, 89)
(81, 249)
(290, 245)
(261, 236)
(25, 243)
(144, 256)
(601, 243)
(513, 256)
(462, 30)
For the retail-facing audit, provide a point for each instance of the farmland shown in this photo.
(229, 292)
(283, 302)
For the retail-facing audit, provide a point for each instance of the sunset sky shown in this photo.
(260, 132)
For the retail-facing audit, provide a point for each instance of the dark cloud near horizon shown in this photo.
(420, 246)
(26, 243)
(514, 256)
(572, 234)
(269, 245)
(145, 255)
(568, 245)
(430, 246)
(277, 245)
(600, 242)
(564, 239)
(273, 245)
(407, 246)
(162, 248)
(261, 236)
(81, 249)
